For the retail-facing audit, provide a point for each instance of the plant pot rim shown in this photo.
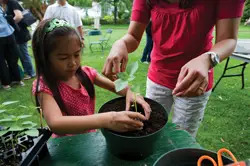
(122, 136)
(188, 149)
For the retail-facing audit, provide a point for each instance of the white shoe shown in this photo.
(21, 83)
(6, 87)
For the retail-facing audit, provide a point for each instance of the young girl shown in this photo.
(65, 90)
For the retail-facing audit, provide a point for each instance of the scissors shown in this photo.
(219, 158)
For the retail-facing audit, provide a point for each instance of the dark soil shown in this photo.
(157, 120)
(15, 148)
(11, 147)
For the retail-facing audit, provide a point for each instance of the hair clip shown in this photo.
(56, 23)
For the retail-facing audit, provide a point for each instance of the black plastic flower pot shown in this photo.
(138, 144)
(188, 157)
(25, 150)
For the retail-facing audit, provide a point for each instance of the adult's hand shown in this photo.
(126, 121)
(118, 57)
(193, 77)
(116, 61)
(130, 98)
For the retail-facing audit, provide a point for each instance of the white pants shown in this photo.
(188, 111)
(97, 23)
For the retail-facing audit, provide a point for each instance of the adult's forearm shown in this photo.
(18, 16)
(80, 31)
(17, 19)
(133, 37)
(226, 37)
(224, 48)
(130, 42)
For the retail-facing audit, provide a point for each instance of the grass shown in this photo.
(227, 116)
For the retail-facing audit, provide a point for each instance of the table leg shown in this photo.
(224, 72)
(242, 74)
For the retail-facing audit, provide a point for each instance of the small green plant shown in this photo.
(126, 78)
(19, 124)
(16, 125)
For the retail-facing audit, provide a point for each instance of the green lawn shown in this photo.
(227, 117)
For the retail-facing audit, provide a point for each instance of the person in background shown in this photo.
(96, 7)
(9, 72)
(149, 45)
(247, 22)
(65, 89)
(62, 10)
(183, 55)
(14, 10)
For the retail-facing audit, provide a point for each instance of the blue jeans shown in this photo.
(147, 50)
(26, 60)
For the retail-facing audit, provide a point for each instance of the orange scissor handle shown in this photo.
(219, 157)
(208, 158)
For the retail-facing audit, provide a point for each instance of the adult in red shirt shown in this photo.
(183, 55)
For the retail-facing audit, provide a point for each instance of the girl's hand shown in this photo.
(125, 121)
(130, 98)
(193, 78)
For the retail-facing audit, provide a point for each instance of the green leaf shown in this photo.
(120, 85)
(13, 117)
(23, 106)
(131, 78)
(2, 132)
(6, 120)
(33, 107)
(15, 128)
(2, 111)
(32, 132)
(123, 76)
(135, 88)
(131, 68)
(9, 102)
(29, 124)
(24, 116)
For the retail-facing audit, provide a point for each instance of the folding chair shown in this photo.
(94, 40)
(105, 39)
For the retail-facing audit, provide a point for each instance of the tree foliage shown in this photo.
(38, 7)
(81, 3)
(122, 8)
(246, 14)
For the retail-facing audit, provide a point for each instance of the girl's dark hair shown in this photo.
(182, 3)
(43, 43)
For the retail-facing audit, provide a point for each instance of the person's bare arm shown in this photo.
(118, 56)
(226, 37)
(194, 75)
(80, 30)
(59, 124)
(18, 16)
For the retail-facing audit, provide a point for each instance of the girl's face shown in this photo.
(65, 58)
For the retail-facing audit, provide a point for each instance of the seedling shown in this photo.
(15, 121)
(18, 135)
(126, 78)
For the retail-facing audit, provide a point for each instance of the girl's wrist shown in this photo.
(107, 119)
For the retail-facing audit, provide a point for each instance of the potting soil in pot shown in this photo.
(156, 121)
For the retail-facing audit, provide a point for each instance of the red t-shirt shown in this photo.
(180, 35)
(77, 101)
